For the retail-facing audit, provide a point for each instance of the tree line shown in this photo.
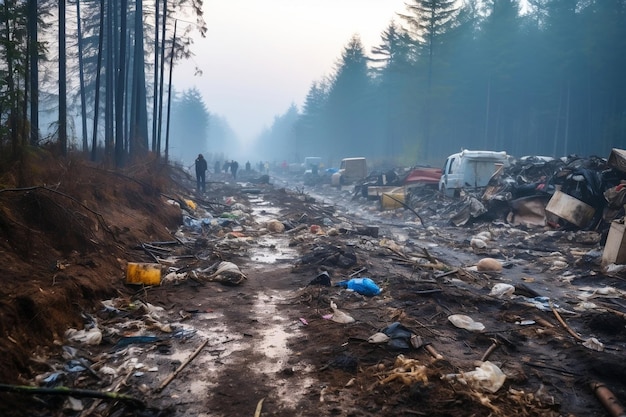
(105, 61)
(533, 77)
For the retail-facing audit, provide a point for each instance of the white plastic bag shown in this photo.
(465, 322)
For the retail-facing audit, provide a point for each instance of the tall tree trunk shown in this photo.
(109, 85)
(11, 87)
(139, 111)
(62, 81)
(34, 72)
(169, 97)
(566, 133)
(81, 72)
(96, 108)
(120, 94)
(156, 75)
(160, 117)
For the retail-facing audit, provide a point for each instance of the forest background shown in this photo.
(446, 75)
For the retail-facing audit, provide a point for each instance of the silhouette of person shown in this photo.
(201, 168)
(248, 166)
(234, 166)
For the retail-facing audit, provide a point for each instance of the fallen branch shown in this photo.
(259, 407)
(408, 208)
(430, 258)
(430, 349)
(565, 326)
(445, 274)
(81, 393)
(181, 367)
(96, 403)
(607, 399)
(296, 229)
(357, 272)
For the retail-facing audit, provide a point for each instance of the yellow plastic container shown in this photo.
(391, 201)
(143, 273)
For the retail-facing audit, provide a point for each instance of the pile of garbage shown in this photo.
(567, 193)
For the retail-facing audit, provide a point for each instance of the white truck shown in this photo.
(470, 169)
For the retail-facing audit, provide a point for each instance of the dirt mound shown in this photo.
(67, 229)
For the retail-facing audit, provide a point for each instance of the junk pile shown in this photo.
(570, 193)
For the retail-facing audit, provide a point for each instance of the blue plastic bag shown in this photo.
(363, 286)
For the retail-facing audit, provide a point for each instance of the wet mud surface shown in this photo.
(201, 345)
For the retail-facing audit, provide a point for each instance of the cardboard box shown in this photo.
(571, 209)
(615, 248)
(617, 159)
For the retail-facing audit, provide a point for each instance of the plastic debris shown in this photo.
(400, 337)
(339, 316)
(378, 338)
(465, 322)
(322, 279)
(478, 243)
(502, 290)
(364, 286)
(92, 336)
(594, 344)
(487, 377)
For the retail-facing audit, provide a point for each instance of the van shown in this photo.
(350, 171)
(470, 169)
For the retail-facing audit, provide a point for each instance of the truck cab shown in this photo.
(470, 169)
(350, 171)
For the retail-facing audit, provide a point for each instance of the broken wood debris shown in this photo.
(182, 366)
(73, 392)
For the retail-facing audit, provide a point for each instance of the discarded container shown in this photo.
(392, 200)
(363, 286)
(617, 159)
(615, 247)
(569, 208)
(143, 273)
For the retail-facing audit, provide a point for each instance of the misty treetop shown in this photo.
(543, 79)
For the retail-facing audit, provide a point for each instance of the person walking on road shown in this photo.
(201, 168)
(234, 166)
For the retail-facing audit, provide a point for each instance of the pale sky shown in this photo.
(259, 56)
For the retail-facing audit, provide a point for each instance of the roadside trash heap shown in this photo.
(572, 192)
(568, 194)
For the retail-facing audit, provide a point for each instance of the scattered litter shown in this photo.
(465, 322)
(227, 273)
(322, 279)
(594, 344)
(378, 338)
(339, 316)
(501, 290)
(275, 226)
(487, 377)
(489, 265)
(91, 336)
(364, 286)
